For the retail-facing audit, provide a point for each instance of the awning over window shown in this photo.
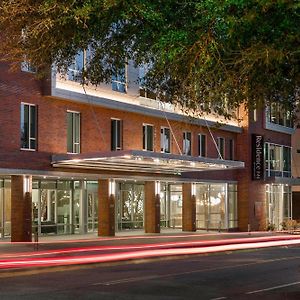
(142, 161)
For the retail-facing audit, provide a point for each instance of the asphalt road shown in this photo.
(272, 273)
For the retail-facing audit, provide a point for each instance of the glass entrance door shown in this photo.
(130, 206)
(175, 205)
(92, 211)
(211, 207)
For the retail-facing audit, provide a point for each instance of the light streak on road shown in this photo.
(188, 244)
(143, 254)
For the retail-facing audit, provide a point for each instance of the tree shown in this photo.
(203, 54)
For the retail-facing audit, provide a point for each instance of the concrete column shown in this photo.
(106, 209)
(21, 208)
(188, 208)
(152, 208)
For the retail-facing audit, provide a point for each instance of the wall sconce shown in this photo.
(112, 187)
(193, 189)
(157, 187)
(27, 184)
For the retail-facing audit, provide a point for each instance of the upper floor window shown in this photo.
(145, 92)
(118, 81)
(73, 132)
(165, 140)
(221, 147)
(202, 145)
(26, 66)
(187, 143)
(231, 149)
(277, 160)
(79, 64)
(116, 134)
(28, 126)
(147, 137)
(280, 115)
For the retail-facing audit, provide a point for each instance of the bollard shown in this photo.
(249, 229)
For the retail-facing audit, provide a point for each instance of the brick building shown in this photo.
(79, 159)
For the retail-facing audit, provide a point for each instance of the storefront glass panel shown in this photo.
(175, 205)
(164, 206)
(216, 206)
(130, 206)
(7, 207)
(232, 206)
(1, 209)
(92, 206)
(278, 204)
(64, 211)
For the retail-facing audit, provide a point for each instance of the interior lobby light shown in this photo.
(193, 191)
(157, 187)
(112, 187)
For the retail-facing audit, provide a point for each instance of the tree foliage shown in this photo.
(203, 54)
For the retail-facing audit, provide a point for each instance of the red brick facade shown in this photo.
(19, 87)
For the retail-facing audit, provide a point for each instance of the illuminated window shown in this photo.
(280, 115)
(277, 160)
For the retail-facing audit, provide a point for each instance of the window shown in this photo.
(202, 145)
(116, 134)
(187, 143)
(165, 142)
(221, 147)
(231, 149)
(80, 62)
(28, 126)
(148, 137)
(277, 160)
(118, 81)
(280, 115)
(73, 132)
(144, 92)
(26, 66)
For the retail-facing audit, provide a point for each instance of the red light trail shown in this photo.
(140, 254)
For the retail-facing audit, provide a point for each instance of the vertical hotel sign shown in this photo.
(257, 157)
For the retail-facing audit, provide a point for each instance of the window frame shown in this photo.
(185, 140)
(145, 137)
(280, 172)
(74, 143)
(116, 135)
(231, 148)
(162, 140)
(200, 147)
(30, 137)
(219, 138)
(119, 82)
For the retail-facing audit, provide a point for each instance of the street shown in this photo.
(272, 273)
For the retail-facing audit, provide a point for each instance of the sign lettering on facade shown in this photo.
(257, 157)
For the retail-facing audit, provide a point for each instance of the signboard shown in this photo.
(257, 157)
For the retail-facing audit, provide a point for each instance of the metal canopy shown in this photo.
(142, 161)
